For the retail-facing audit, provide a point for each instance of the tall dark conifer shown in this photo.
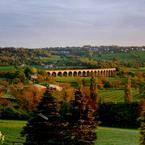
(81, 122)
(46, 126)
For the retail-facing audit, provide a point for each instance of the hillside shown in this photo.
(73, 57)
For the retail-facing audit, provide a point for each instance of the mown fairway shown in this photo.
(106, 136)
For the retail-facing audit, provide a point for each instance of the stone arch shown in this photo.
(104, 72)
(107, 73)
(59, 74)
(111, 72)
(98, 73)
(88, 73)
(79, 73)
(95, 73)
(65, 74)
(91, 73)
(75, 73)
(70, 74)
(54, 74)
(49, 74)
(84, 73)
(101, 72)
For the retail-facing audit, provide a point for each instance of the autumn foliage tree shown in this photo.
(27, 96)
(127, 90)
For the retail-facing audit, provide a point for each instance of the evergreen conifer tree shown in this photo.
(81, 122)
(46, 126)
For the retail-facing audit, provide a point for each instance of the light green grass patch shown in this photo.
(11, 129)
(6, 68)
(115, 95)
(116, 136)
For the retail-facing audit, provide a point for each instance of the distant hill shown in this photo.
(74, 57)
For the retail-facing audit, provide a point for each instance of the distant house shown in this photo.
(51, 86)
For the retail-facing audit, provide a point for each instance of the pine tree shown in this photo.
(46, 126)
(81, 122)
(128, 95)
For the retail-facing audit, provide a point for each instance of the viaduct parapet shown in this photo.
(83, 72)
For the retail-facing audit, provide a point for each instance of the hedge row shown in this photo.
(119, 115)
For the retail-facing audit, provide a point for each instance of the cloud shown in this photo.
(70, 21)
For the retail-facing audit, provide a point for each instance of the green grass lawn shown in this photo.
(106, 135)
(116, 95)
(11, 129)
(6, 68)
(116, 136)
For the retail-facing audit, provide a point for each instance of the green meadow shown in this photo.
(106, 135)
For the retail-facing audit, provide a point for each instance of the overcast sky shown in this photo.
(44, 23)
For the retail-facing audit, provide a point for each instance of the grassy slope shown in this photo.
(106, 136)
(131, 56)
(115, 95)
(6, 68)
(11, 129)
(115, 136)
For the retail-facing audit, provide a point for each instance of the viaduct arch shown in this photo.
(106, 72)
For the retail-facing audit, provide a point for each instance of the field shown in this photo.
(130, 57)
(6, 68)
(116, 136)
(106, 136)
(116, 95)
(11, 129)
(107, 95)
